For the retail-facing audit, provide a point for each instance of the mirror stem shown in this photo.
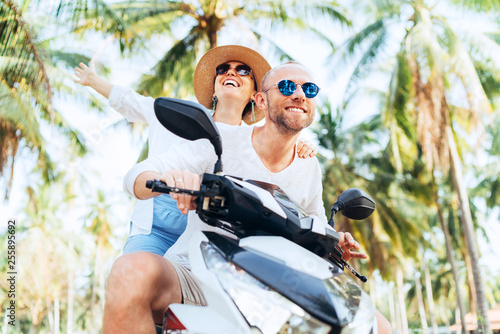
(335, 208)
(331, 222)
(218, 166)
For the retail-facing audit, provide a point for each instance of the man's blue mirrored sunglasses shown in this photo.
(288, 87)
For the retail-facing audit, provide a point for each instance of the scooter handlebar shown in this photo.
(161, 187)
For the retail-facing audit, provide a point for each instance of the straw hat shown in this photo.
(204, 75)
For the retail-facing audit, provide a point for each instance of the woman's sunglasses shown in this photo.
(288, 87)
(240, 69)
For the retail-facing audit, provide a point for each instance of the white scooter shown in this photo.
(285, 273)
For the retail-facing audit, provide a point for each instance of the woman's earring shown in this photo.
(214, 99)
(252, 102)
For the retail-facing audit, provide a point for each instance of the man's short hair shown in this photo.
(290, 62)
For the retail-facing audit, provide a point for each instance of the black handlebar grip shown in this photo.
(158, 186)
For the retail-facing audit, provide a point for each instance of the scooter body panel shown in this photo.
(289, 253)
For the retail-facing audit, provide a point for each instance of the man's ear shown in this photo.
(261, 101)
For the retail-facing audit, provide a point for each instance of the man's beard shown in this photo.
(286, 125)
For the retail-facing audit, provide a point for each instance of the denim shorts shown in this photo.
(168, 225)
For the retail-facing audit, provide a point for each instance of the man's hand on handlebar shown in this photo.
(346, 243)
(185, 180)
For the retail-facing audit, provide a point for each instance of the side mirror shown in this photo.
(189, 120)
(354, 204)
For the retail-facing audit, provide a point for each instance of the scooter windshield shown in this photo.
(282, 198)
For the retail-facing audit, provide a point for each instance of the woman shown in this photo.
(226, 80)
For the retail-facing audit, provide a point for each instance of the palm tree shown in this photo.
(26, 93)
(203, 23)
(46, 258)
(433, 59)
(390, 234)
(99, 226)
(450, 256)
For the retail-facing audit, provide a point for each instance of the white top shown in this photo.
(137, 108)
(301, 180)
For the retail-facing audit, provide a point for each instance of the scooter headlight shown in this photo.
(364, 321)
(263, 308)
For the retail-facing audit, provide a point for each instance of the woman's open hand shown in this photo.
(85, 73)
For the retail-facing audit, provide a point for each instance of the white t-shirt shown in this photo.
(137, 108)
(301, 180)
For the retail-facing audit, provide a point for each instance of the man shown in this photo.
(141, 286)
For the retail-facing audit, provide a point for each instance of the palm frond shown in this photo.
(68, 59)
(329, 12)
(292, 15)
(369, 56)
(174, 69)
(492, 6)
(352, 44)
(20, 58)
(489, 81)
(148, 18)
(424, 43)
(462, 66)
(485, 48)
(277, 50)
(399, 96)
(324, 38)
(328, 128)
(17, 112)
(103, 17)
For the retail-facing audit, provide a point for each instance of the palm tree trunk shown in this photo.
(468, 230)
(71, 301)
(102, 284)
(430, 299)
(50, 317)
(392, 310)
(373, 295)
(420, 300)
(401, 300)
(399, 323)
(56, 316)
(451, 259)
(95, 279)
(36, 312)
(11, 177)
(212, 37)
(470, 279)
